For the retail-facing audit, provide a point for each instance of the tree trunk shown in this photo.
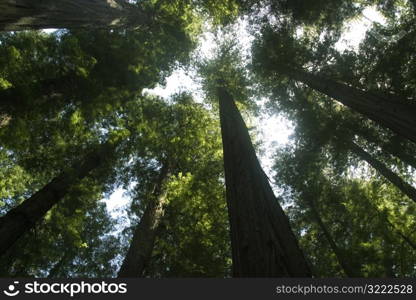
(403, 186)
(348, 270)
(41, 14)
(144, 236)
(57, 267)
(391, 148)
(263, 244)
(397, 114)
(24, 217)
(404, 237)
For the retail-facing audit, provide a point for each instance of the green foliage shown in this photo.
(227, 69)
(62, 94)
(193, 239)
(186, 136)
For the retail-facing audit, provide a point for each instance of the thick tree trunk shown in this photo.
(41, 14)
(263, 244)
(144, 236)
(397, 114)
(348, 270)
(22, 218)
(403, 186)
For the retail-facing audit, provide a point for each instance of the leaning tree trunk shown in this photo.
(41, 14)
(391, 148)
(404, 237)
(144, 236)
(397, 114)
(24, 217)
(348, 270)
(263, 244)
(403, 186)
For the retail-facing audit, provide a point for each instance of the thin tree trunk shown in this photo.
(391, 148)
(404, 237)
(57, 267)
(41, 14)
(263, 244)
(348, 270)
(397, 114)
(144, 236)
(403, 186)
(24, 217)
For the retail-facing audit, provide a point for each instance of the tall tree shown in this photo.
(403, 186)
(263, 244)
(24, 217)
(25, 14)
(390, 111)
(341, 257)
(179, 139)
(352, 207)
(77, 69)
(320, 165)
(144, 235)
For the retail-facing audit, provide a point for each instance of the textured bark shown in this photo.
(41, 14)
(396, 114)
(403, 186)
(263, 244)
(144, 236)
(22, 218)
(348, 270)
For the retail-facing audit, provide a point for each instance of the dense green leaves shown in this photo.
(63, 94)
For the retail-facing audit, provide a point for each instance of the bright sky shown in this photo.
(274, 130)
(357, 28)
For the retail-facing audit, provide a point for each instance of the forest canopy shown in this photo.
(103, 175)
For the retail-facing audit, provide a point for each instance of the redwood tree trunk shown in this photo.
(397, 114)
(348, 270)
(403, 186)
(22, 218)
(41, 14)
(144, 236)
(263, 244)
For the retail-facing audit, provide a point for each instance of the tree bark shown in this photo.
(144, 236)
(403, 186)
(41, 14)
(399, 115)
(348, 270)
(24, 217)
(263, 244)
